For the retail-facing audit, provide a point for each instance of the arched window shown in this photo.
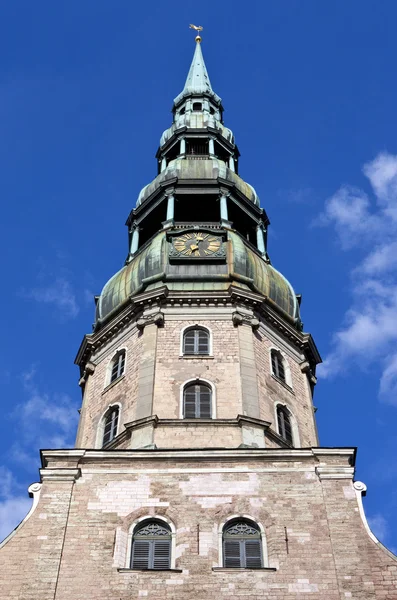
(284, 424)
(196, 341)
(110, 425)
(151, 546)
(242, 545)
(118, 365)
(197, 400)
(278, 365)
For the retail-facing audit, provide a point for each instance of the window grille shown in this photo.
(284, 424)
(196, 341)
(278, 365)
(151, 547)
(242, 546)
(118, 366)
(110, 429)
(197, 401)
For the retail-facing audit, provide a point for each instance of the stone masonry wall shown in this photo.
(239, 368)
(315, 539)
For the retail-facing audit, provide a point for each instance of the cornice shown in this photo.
(134, 308)
(205, 454)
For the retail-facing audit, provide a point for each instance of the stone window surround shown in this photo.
(294, 424)
(109, 366)
(101, 424)
(200, 356)
(220, 542)
(130, 537)
(288, 379)
(198, 380)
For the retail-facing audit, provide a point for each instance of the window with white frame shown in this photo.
(118, 366)
(242, 545)
(197, 401)
(111, 421)
(284, 424)
(151, 546)
(278, 367)
(196, 341)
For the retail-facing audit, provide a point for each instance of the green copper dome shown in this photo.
(151, 268)
(210, 169)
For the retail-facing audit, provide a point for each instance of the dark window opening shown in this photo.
(242, 545)
(182, 111)
(242, 222)
(197, 106)
(197, 401)
(111, 422)
(172, 152)
(212, 110)
(221, 153)
(196, 341)
(117, 367)
(197, 147)
(284, 424)
(151, 547)
(151, 224)
(278, 365)
(197, 209)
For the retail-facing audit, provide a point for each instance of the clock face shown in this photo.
(197, 244)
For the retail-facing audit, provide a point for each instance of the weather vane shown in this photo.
(197, 28)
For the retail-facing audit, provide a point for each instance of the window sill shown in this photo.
(196, 356)
(241, 569)
(285, 385)
(115, 382)
(150, 570)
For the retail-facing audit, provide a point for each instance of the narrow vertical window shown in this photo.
(118, 366)
(151, 546)
(197, 400)
(242, 545)
(196, 341)
(278, 365)
(284, 424)
(111, 422)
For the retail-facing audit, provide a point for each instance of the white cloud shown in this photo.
(379, 526)
(13, 505)
(369, 331)
(60, 294)
(12, 511)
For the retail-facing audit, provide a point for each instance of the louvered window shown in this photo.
(196, 341)
(118, 366)
(284, 424)
(151, 547)
(111, 422)
(278, 365)
(242, 546)
(197, 401)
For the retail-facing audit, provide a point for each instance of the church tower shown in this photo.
(197, 470)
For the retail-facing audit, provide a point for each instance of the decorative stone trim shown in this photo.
(239, 318)
(242, 570)
(156, 318)
(335, 472)
(151, 571)
(34, 492)
(59, 474)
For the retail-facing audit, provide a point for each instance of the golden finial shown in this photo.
(197, 28)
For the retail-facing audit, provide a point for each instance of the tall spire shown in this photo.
(197, 81)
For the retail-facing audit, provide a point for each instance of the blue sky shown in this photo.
(309, 91)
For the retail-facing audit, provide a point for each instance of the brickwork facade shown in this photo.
(77, 542)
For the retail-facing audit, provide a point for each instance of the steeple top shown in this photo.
(197, 81)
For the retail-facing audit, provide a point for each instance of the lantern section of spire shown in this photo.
(197, 81)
